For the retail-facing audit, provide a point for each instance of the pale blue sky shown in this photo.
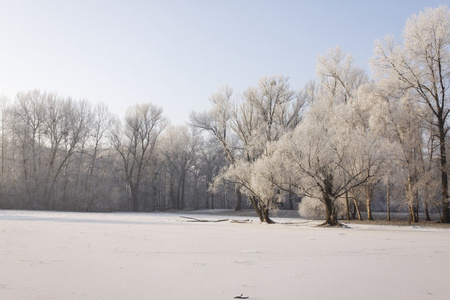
(176, 53)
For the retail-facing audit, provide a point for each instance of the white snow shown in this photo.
(50, 255)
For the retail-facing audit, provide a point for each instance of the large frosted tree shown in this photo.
(262, 115)
(339, 80)
(422, 65)
(324, 158)
(245, 125)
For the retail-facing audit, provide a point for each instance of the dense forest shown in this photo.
(347, 142)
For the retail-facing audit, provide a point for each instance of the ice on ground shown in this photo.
(52, 255)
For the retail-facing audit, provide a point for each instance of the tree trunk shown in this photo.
(427, 213)
(412, 214)
(239, 201)
(388, 206)
(444, 174)
(173, 202)
(256, 208)
(353, 211)
(178, 199)
(347, 208)
(331, 212)
(267, 219)
(291, 201)
(329, 201)
(416, 212)
(357, 209)
(369, 192)
(134, 199)
(154, 199)
(183, 182)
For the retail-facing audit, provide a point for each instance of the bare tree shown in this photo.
(98, 156)
(135, 142)
(28, 115)
(181, 148)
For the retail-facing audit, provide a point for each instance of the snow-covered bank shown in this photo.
(49, 255)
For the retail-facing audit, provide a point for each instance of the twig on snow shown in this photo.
(190, 219)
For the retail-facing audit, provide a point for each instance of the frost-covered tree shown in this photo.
(422, 65)
(321, 159)
(262, 116)
(338, 75)
(246, 124)
(373, 150)
(256, 180)
(50, 130)
(135, 142)
(180, 148)
(58, 155)
(211, 161)
(96, 161)
(396, 118)
(217, 122)
(27, 116)
(340, 80)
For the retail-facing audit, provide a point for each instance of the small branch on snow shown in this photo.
(240, 221)
(190, 219)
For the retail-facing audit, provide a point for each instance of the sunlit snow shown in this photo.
(50, 255)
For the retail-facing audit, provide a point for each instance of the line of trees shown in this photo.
(345, 140)
(63, 154)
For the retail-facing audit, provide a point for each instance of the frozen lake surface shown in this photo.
(59, 255)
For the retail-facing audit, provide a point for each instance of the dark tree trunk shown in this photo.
(444, 174)
(267, 219)
(328, 200)
(347, 206)
(357, 209)
(182, 203)
(388, 203)
(411, 214)
(291, 201)
(416, 212)
(155, 196)
(427, 213)
(353, 211)
(135, 199)
(239, 201)
(172, 199)
(258, 211)
(369, 192)
(332, 219)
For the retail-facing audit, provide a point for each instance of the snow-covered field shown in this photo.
(50, 255)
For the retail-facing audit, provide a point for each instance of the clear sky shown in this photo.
(176, 53)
